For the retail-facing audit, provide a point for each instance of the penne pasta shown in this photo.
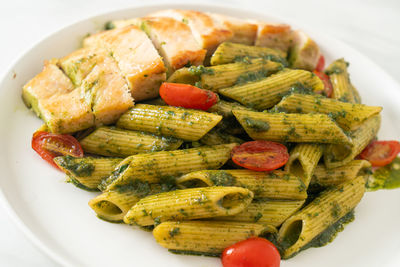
(266, 212)
(87, 172)
(273, 185)
(265, 93)
(230, 52)
(332, 177)
(186, 124)
(325, 210)
(340, 79)
(217, 137)
(205, 237)
(188, 204)
(303, 160)
(339, 155)
(113, 205)
(166, 165)
(348, 115)
(220, 76)
(299, 128)
(111, 141)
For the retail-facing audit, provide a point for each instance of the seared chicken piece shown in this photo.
(305, 52)
(67, 113)
(109, 92)
(244, 32)
(51, 81)
(80, 63)
(209, 33)
(173, 40)
(278, 36)
(136, 56)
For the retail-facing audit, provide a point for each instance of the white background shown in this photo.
(370, 26)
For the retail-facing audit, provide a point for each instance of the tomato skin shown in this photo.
(66, 144)
(321, 64)
(187, 96)
(327, 82)
(252, 252)
(260, 155)
(381, 153)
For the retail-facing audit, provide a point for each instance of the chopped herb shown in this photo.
(257, 125)
(174, 232)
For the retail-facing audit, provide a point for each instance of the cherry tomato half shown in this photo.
(187, 96)
(253, 252)
(327, 83)
(381, 153)
(260, 155)
(49, 146)
(321, 64)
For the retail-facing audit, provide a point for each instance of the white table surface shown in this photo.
(370, 26)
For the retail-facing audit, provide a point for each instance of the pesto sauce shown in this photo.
(257, 125)
(199, 70)
(114, 175)
(387, 177)
(324, 238)
(222, 178)
(78, 167)
(75, 182)
(194, 253)
(138, 187)
(251, 76)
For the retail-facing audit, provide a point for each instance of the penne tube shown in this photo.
(111, 141)
(303, 160)
(217, 137)
(87, 172)
(273, 185)
(224, 108)
(186, 124)
(301, 228)
(166, 165)
(332, 177)
(227, 75)
(299, 128)
(220, 76)
(343, 90)
(113, 205)
(348, 115)
(266, 212)
(265, 93)
(205, 237)
(339, 155)
(230, 52)
(189, 204)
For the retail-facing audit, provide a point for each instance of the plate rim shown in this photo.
(37, 241)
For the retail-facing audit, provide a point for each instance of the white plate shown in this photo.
(57, 218)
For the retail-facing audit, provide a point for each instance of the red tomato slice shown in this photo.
(327, 83)
(49, 146)
(253, 252)
(260, 155)
(381, 153)
(321, 64)
(187, 96)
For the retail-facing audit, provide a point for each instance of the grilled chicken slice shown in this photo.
(173, 40)
(51, 81)
(80, 63)
(67, 113)
(305, 52)
(209, 33)
(277, 36)
(136, 56)
(108, 90)
(244, 32)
